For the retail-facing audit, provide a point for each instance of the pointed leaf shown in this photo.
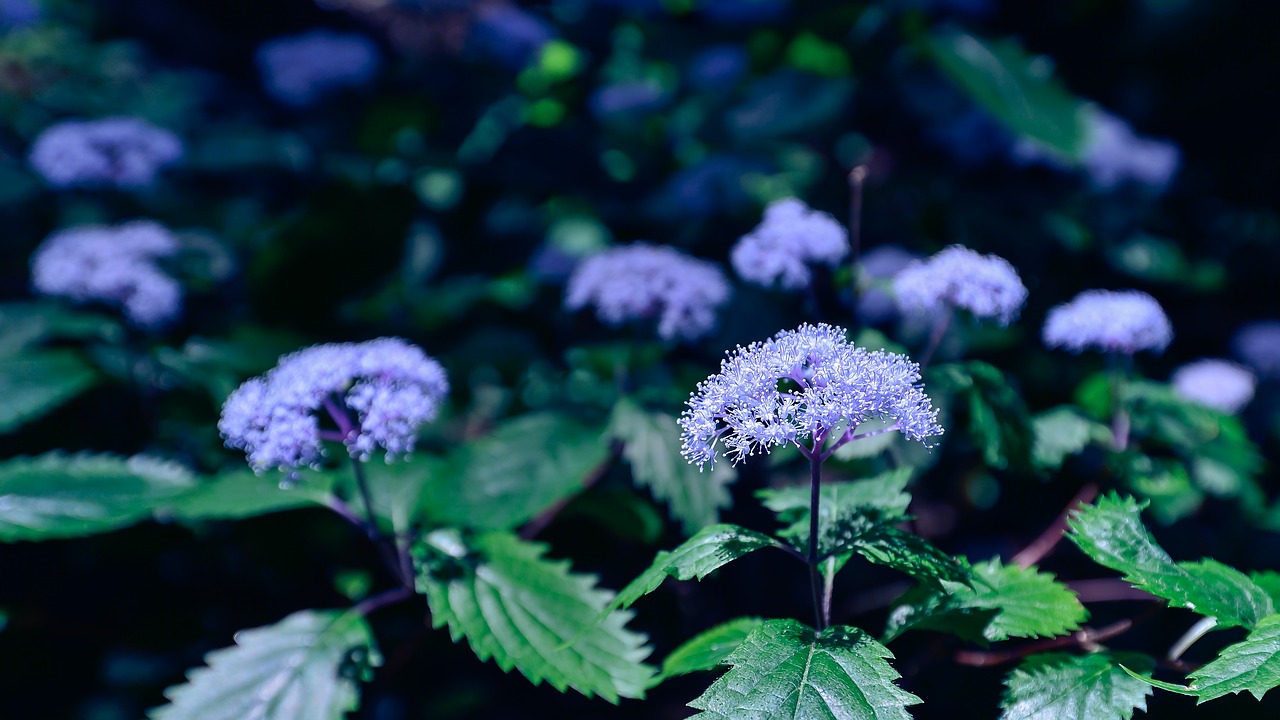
(36, 382)
(713, 547)
(784, 670)
(1064, 431)
(1087, 687)
(1269, 581)
(1252, 664)
(885, 492)
(305, 666)
(707, 650)
(531, 614)
(243, 493)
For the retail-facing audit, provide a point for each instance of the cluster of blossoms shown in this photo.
(985, 285)
(300, 70)
(113, 265)
(1218, 384)
(797, 388)
(1113, 154)
(791, 237)
(378, 393)
(124, 152)
(1258, 345)
(1124, 322)
(641, 281)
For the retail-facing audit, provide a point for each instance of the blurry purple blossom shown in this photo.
(19, 14)
(1111, 321)
(1218, 384)
(628, 99)
(717, 67)
(509, 34)
(124, 152)
(743, 12)
(300, 70)
(985, 285)
(1113, 154)
(791, 237)
(1258, 345)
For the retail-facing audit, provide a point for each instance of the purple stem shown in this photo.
(940, 326)
(381, 600)
(849, 436)
(815, 498)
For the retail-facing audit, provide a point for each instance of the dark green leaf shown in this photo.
(1053, 686)
(305, 666)
(707, 650)
(25, 324)
(784, 670)
(885, 492)
(1064, 431)
(711, 548)
(1252, 664)
(36, 382)
(242, 494)
(1269, 581)
(999, 421)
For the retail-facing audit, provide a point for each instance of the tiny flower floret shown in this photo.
(642, 281)
(1219, 384)
(300, 70)
(791, 237)
(123, 152)
(797, 388)
(985, 285)
(377, 393)
(112, 265)
(1111, 321)
(1258, 345)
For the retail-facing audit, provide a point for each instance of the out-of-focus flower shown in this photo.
(797, 387)
(1258, 345)
(985, 285)
(377, 393)
(744, 12)
(112, 265)
(1218, 384)
(642, 281)
(1111, 321)
(1113, 154)
(300, 70)
(628, 99)
(509, 34)
(711, 185)
(124, 152)
(19, 14)
(878, 266)
(791, 237)
(717, 67)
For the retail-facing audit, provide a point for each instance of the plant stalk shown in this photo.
(820, 609)
(940, 326)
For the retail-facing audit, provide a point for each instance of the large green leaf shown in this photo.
(532, 614)
(1253, 664)
(1017, 88)
(1111, 533)
(305, 666)
(1053, 686)
(242, 493)
(885, 492)
(1003, 601)
(25, 324)
(707, 650)
(784, 670)
(526, 465)
(999, 421)
(36, 382)
(1064, 431)
(651, 444)
(711, 548)
(59, 496)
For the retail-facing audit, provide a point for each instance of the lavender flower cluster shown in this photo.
(1124, 321)
(1219, 384)
(300, 70)
(641, 281)
(112, 265)
(1113, 154)
(378, 393)
(791, 237)
(123, 152)
(985, 285)
(1258, 345)
(798, 387)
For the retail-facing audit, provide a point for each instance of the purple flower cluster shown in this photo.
(1113, 154)
(1258, 345)
(300, 70)
(791, 237)
(113, 265)
(985, 285)
(378, 393)
(123, 152)
(798, 387)
(642, 281)
(1218, 384)
(1125, 321)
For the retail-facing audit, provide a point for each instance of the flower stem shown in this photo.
(1119, 414)
(381, 600)
(820, 612)
(857, 177)
(940, 326)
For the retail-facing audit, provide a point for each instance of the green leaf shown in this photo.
(707, 650)
(711, 548)
(305, 666)
(1064, 431)
(1252, 664)
(1111, 533)
(242, 494)
(1004, 601)
(1087, 687)
(784, 670)
(905, 552)
(526, 465)
(532, 614)
(651, 444)
(59, 496)
(1269, 581)
(25, 324)
(885, 492)
(35, 383)
(999, 421)
(1017, 88)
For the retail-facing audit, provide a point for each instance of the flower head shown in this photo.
(1113, 154)
(1218, 384)
(300, 70)
(378, 393)
(124, 152)
(797, 388)
(789, 239)
(113, 265)
(1258, 345)
(985, 285)
(641, 281)
(1112, 321)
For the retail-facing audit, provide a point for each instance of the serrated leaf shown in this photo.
(60, 496)
(508, 477)
(305, 666)
(707, 650)
(651, 444)
(784, 670)
(1064, 431)
(529, 613)
(1003, 601)
(1252, 664)
(1086, 687)
(710, 549)
(242, 494)
(885, 492)
(36, 382)
(1112, 534)
(999, 421)
(1269, 581)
